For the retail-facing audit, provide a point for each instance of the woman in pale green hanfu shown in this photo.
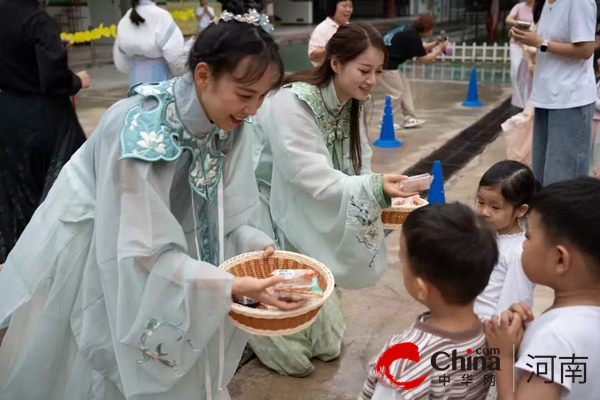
(319, 196)
(112, 290)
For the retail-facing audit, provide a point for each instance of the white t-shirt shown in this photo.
(508, 283)
(564, 332)
(561, 82)
(205, 20)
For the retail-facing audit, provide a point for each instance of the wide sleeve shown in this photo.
(241, 199)
(163, 305)
(323, 212)
(56, 79)
(121, 59)
(172, 44)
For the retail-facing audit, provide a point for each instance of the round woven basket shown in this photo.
(393, 217)
(276, 322)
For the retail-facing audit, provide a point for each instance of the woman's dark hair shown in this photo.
(224, 45)
(596, 58)
(331, 7)
(424, 23)
(515, 180)
(348, 43)
(537, 10)
(135, 18)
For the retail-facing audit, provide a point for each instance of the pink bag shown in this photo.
(518, 133)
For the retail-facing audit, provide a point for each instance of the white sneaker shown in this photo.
(412, 123)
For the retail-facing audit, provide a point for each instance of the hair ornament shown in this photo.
(252, 17)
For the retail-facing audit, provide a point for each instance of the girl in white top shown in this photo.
(149, 44)
(503, 198)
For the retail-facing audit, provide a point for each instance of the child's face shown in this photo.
(539, 257)
(492, 206)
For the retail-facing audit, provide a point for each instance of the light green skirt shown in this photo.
(292, 354)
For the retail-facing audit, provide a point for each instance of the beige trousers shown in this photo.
(395, 84)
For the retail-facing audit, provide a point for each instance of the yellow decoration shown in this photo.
(180, 14)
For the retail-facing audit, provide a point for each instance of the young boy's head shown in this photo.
(448, 253)
(562, 249)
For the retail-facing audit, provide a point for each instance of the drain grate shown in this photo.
(465, 146)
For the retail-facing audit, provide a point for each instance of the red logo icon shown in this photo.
(401, 351)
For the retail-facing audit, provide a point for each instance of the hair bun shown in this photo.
(241, 7)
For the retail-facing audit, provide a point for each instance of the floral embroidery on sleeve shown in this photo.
(365, 217)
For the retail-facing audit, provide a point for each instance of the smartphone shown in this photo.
(523, 25)
(417, 183)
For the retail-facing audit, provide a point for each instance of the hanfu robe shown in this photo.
(112, 290)
(314, 203)
(153, 51)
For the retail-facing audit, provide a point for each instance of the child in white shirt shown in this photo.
(503, 198)
(559, 356)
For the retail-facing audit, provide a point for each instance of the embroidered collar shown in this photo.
(331, 100)
(189, 109)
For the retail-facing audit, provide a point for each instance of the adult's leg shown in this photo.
(406, 101)
(391, 84)
(540, 143)
(568, 149)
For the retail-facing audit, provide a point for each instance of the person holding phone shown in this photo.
(520, 15)
(403, 45)
(564, 90)
(204, 14)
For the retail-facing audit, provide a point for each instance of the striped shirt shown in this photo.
(467, 384)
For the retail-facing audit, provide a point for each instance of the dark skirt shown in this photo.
(38, 135)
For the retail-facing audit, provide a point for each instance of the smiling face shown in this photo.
(343, 12)
(228, 100)
(356, 78)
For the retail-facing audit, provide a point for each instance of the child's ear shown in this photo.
(423, 290)
(522, 211)
(563, 260)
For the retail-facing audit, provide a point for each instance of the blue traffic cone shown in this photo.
(473, 94)
(387, 138)
(436, 190)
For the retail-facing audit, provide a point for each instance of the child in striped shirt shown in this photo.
(447, 254)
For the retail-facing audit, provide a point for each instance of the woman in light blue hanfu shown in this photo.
(319, 196)
(149, 45)
(113, 291)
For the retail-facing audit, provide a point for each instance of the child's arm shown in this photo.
(505, 335)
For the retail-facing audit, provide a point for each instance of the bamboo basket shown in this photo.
(276, 322)
(394, 216)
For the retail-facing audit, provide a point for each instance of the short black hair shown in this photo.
(453, 248)
(570, 210)
(515, 180)
(331, 7)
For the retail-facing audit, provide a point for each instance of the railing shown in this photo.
(473, 52)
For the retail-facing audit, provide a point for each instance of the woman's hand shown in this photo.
(256, 289)
(391, 186)
(269, 251)
(526, 37)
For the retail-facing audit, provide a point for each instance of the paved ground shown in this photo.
(372, 314)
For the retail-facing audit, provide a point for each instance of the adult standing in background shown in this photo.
(39, 130)
(205, 14)
(520, 12)
(338, 13)
(149, 44)
(564, 90)
(402, 45)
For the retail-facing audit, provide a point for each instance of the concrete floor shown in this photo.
(372, 314)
